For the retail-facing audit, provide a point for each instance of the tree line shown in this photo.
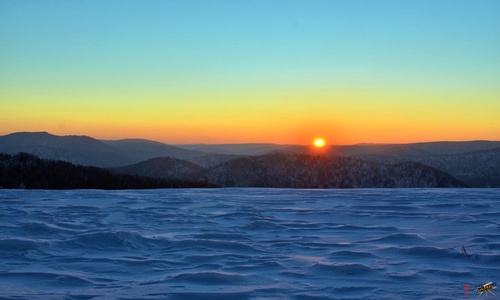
(24, 170)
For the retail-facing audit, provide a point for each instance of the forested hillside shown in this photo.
(307, 171)
(28, 171)
(476, 169)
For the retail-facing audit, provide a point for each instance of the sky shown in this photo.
(272, 71)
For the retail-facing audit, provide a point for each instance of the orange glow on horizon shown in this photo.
(215, 121)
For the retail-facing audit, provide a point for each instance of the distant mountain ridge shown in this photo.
(87, 151)
(140, 149)
(237, 149)
(407, 150)
(476, 163)
(81, 150)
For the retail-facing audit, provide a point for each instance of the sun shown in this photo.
(319, 142)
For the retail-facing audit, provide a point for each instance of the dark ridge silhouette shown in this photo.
(308, 171)
(28, 171)
(475, 163)
(272, 170)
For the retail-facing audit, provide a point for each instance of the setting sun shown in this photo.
(319, 142)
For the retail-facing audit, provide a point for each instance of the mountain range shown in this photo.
(471, 163)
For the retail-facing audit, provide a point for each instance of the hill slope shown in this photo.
(476, 169)
(87, 151)
(28, 171)
(81, 150)
(305, 171)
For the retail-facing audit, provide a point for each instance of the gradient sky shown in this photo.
(242, 71)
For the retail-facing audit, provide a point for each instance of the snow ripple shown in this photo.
(248, 243)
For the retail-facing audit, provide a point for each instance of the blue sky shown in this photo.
(227, 49)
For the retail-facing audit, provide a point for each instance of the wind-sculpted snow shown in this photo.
(248, 243)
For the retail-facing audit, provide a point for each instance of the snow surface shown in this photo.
(249, 244)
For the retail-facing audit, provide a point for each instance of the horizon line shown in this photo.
(252, 143)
